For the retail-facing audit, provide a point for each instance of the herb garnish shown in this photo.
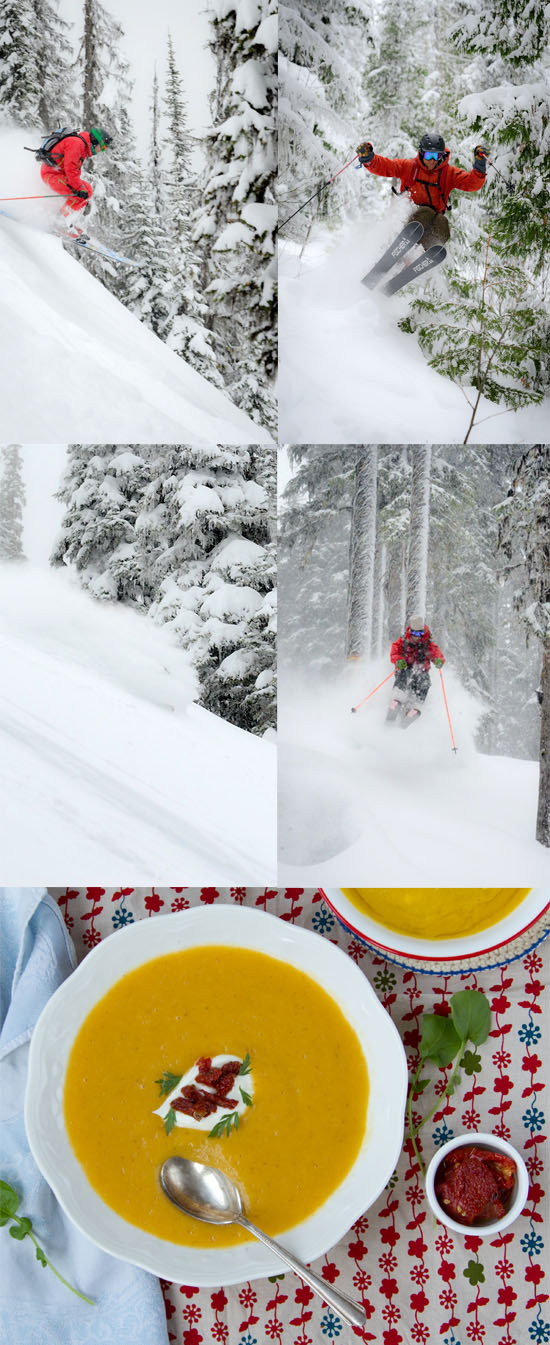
(169, 1121)
(245, 1067)
(168, 1082)
(227, 1123)
(444, 1041)
(22, 1228)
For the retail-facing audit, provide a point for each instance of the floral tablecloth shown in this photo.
(418, 1282)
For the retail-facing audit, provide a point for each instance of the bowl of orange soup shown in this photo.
(438, 924)
(232, 1037)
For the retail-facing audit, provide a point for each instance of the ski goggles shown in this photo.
(417, 634)
(434, 154)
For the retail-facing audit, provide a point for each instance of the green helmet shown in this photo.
(99, 139)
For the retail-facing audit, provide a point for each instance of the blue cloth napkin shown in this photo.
(36, 955)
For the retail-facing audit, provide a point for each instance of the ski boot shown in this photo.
(392, 713)
(410, 716)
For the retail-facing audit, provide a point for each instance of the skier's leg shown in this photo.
(56, 180)
(420, 685)
(397, 702)
(436, 227)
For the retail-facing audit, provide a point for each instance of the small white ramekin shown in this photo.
(519, 1198)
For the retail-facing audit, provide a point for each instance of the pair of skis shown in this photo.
(83, 242)
(410, 234)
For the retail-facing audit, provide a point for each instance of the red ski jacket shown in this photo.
(69, 155)
(427, 188)
(423, 652)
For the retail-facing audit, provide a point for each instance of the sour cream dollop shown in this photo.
(243, 1084)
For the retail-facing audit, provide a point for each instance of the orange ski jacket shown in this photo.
(427, 188)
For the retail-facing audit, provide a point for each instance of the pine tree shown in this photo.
(19, 79)
(238, 219)
(102, 491)
(12, 503)
(481, 336)
(524, 543)
(104, 67)
(417, 574)
(362, 556)
(54, 65)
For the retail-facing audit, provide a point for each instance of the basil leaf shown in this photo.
(9, 1202)
(440, 1041)
(471, 1015)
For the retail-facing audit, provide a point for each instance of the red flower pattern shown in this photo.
(395, 1240)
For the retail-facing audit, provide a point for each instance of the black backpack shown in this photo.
(44, 154)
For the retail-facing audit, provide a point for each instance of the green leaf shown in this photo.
(9, 1202)
(168, 1082)
(245, 1097)
(245, 1067)
(471, 1062)
(471, 1015)
(226, 1124)
(474, 1271)
(420, 1085)
(41, 1256)
(440, 1041)
(20, 1229)
(170, 1121)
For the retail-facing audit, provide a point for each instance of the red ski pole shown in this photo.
(454, 747)
(43, 196)
(354, 708)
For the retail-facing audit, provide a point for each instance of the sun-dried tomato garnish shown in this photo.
(198, 1103)
(475, 1185)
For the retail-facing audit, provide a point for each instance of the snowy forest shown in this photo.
(458, 357)
(184, 536)
(203, 236)
(458, 535)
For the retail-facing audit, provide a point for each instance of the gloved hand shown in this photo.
(365, 152)
(480, 158)
(439, 662)
(401, 664)
(80, 192)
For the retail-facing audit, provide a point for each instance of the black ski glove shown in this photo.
(80, 192)
(480, 159)
(365, 152)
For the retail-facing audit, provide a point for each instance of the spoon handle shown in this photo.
(353, 1312)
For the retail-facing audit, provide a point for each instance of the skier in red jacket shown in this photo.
(68, 154)
(412, 655)
(429, 180)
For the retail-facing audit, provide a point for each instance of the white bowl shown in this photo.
(486, 941)
(239, 927)
(519, 1198)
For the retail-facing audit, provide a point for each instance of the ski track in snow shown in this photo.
(381, 805)
(101, 775)
(349, 374)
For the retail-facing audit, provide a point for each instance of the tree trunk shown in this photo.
(89, 53)
(418, 535)
(543, 811)
(379, 598)
(362, 554)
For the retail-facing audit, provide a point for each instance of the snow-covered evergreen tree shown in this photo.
(524, 543)
(362, 556)
(417, 569)
(19, 82)
(54, 65)
(12, 503)
(102, 490)
(238, 218)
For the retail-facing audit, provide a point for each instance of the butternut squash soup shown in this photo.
(436, 912)
(216, 1023)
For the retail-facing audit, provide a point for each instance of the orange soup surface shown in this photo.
(296, 1142)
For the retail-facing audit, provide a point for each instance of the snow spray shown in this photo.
(354, 708)
(454, 747)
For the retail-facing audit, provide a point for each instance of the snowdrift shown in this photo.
(363, 803)
(349, 375)
(109, 769)
(76, 364)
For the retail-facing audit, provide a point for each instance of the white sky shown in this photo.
(43, 466)
(146, 26)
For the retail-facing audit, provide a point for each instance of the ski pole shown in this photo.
(507, 184)
(354, 708)
(454, 747)
(316, 193)
(44, 196)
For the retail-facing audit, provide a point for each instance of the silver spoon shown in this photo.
(207, 1194)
